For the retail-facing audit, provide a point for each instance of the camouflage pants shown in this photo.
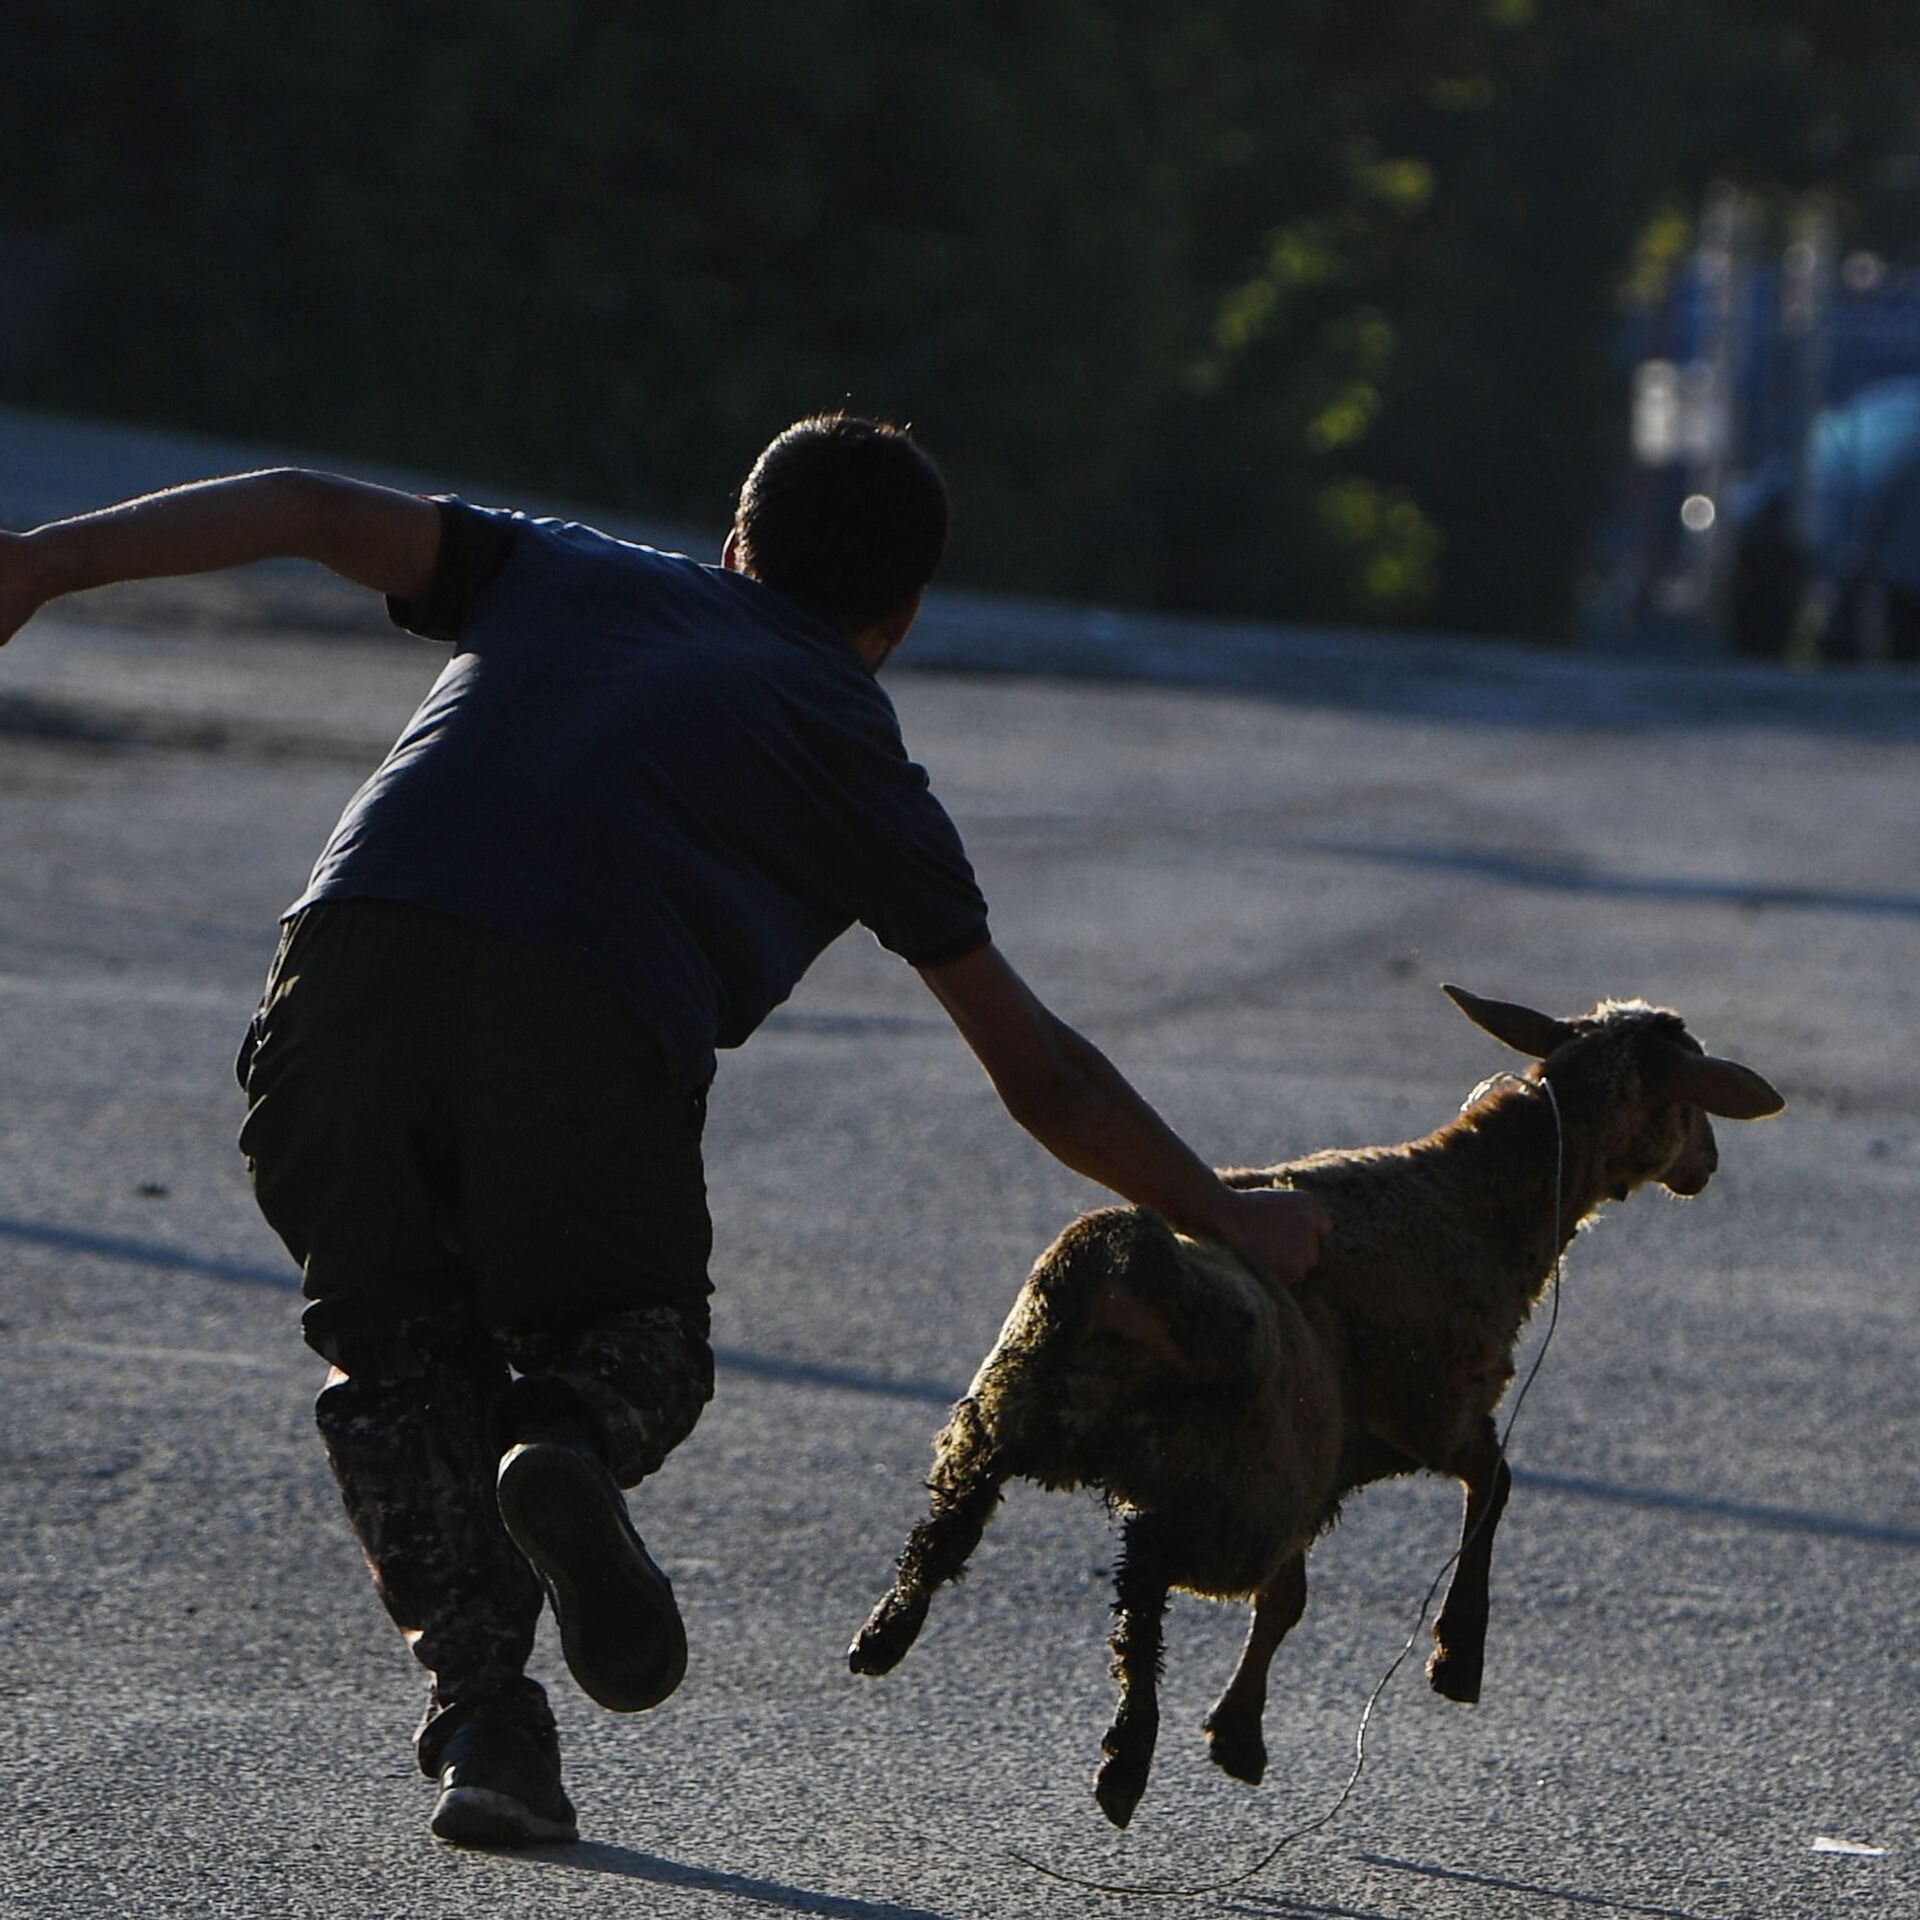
(497, 1203)
(414, 1425)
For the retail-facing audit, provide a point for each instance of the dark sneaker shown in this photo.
(619, 1628)
(499, 1787)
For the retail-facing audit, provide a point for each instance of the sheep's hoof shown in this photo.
(1122, 1778)
(1118, 1785)
(892, 1627)
(1456, 1676)
(1237, 1750)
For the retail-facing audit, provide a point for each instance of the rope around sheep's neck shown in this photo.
(1426, 1605)
(1567, 1208)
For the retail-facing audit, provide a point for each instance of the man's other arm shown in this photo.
(1076, 1103)
(374, 536)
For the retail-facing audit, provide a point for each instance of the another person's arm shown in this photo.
(1072, 1099)
(374, 536)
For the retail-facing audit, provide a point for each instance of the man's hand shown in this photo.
(1276, 1230)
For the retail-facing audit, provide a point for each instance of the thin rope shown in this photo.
(1413, 1639)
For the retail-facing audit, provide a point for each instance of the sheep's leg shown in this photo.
(1141, 1583)
(1460, 1634)
(1233, 1727)
(965, 1485)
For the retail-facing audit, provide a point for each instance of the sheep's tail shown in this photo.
(1120, 1309)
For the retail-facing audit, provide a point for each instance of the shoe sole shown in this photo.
(479, 1817)
(620, 1631)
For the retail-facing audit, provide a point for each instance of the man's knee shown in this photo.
(402, 1388)
(365, 1337)
(640, 1377)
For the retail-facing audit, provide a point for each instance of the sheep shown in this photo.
(1226, 1418)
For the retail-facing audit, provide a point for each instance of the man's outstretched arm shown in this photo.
(374, 536)
(1076, 1103)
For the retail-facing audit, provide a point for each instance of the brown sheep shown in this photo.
(1228, 1418)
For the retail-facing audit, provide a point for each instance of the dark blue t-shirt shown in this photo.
(668, 773)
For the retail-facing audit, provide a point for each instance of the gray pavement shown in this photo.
(1243, 874)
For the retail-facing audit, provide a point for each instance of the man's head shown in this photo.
(846, 516)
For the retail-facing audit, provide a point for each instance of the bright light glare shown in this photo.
(1696, 513)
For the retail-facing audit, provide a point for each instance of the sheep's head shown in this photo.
(1645, 1079)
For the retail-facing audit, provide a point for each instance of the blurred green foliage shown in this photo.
(1296, 311)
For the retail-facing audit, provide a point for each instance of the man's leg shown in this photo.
(345, 1141)
(592, 1412)
(408, 1419)
(582, 1208)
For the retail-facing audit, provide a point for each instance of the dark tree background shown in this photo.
(1289, 310)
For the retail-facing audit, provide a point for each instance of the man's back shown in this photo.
(677, 779)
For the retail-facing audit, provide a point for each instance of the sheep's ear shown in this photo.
(1520, 1028)
(1722, 1087)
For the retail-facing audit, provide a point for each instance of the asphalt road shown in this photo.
(1703, 1656)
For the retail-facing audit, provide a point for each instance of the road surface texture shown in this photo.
(1242, 862)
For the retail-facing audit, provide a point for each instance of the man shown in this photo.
(641, 799)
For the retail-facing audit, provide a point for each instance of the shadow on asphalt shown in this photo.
(1567, 877)
(1279, 1907)
(1475, 682)
(160, 1257)
(1599, 1902)
(595, 1856)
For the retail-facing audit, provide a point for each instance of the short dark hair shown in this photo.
(845, 515)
